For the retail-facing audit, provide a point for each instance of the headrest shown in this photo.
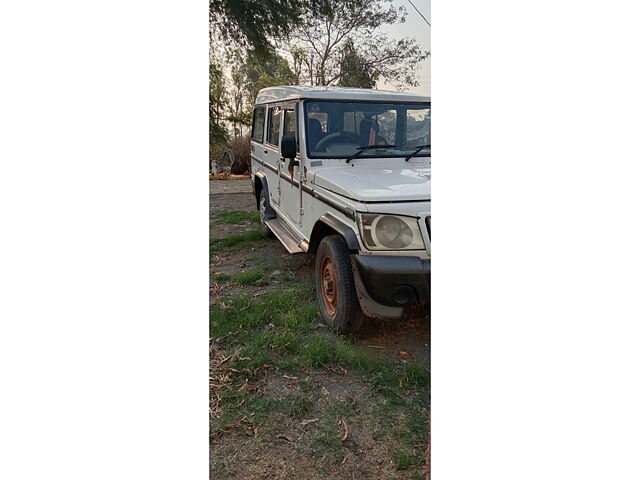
(315, 127)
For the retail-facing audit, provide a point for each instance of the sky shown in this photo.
(415, 27)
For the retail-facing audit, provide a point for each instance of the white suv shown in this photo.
(345, 173)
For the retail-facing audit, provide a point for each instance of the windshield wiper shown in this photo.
(413, 154)
(368, 147)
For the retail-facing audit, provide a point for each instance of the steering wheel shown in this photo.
(338, 137)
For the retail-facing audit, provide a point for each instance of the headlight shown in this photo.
(390, 232)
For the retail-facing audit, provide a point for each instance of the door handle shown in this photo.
(266, 151)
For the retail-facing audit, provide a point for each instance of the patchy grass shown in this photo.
(253, 276)
(236, 217)
(237, 241)
(279, 361)
(279, 334)
(414, 376)
(404, 459)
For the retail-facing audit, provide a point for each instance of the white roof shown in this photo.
(288, 92)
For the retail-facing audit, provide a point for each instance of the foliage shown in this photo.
(251, 23)
(336, 35)
(267, 72)
(241, 148)
(354, 71)
(217, 103)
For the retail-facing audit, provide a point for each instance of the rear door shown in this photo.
(271, 152)
(257, 139)
(289, 182)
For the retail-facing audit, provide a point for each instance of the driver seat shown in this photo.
(314, 128)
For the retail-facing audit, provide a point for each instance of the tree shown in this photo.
(337, 34)
(239, 117)
(217, 104)
(266, 72)
(251, 23)
(354, 71)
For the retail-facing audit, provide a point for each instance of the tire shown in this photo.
(262, 206)
(335, 287)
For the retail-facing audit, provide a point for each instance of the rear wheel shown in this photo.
(262, 203)
(335, 286)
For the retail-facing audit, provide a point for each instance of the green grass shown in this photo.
(282, 327)
(234, 241)
(221, 277)
(236, 217)
(254, 276)
(414, 376)
(404, 459)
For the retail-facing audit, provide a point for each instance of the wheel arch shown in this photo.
(329, 225)
(260, 184)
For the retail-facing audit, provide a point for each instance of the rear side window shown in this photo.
(257, 132)
(273, 130)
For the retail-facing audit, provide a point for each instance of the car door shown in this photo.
(257, 139)
(271, 152)
(290, 197)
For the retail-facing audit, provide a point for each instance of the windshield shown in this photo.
(339, 129)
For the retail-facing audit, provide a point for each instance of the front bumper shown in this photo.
(395, 281)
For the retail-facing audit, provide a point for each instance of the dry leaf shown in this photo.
(307, 422)
(343, 424)
(338, 370)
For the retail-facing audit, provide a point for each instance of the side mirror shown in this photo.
(288, 146)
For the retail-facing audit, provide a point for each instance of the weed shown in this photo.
(221, 277)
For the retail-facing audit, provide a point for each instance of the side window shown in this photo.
(290, 127)
(257, 132)
(273, 129)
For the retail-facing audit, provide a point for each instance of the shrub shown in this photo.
(241, 148)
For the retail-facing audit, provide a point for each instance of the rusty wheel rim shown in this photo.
(328, 282)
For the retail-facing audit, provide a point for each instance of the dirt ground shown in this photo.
(244, 452)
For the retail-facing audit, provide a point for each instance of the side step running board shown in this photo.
(288, 240)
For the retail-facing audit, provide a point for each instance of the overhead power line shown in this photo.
(419, 13)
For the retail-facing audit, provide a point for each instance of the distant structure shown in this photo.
(223, 165)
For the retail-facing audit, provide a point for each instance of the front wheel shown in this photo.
(335, 286)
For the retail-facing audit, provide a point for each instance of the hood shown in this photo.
(376, 183)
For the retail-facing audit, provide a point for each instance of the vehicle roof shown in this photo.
(289, 92)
